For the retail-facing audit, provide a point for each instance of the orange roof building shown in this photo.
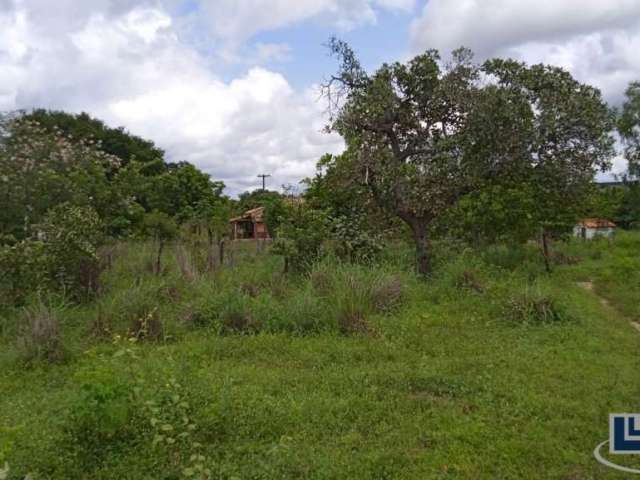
(589, 228)
(249, 225)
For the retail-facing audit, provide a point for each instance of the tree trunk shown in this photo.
(544, 243)
(210, 251)
(160, 248)
(221, 251)
(423, 248)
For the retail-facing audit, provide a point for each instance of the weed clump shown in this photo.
(41, 338)
(147, 326)
(388, 295)
(250, 289)
(354, 304)
(468, 280)
(534, 307)
(236, 317)
(321, 281)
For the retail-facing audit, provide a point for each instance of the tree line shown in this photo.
(435, 148)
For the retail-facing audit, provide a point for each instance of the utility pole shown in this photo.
(263, 176)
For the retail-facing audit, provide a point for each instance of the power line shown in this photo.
(264, 177)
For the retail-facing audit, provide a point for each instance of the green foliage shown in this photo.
(71, 237)
(534, 307)
(159, 226)
(50, 158)
(494, 213)
(101, 416)
(629, 127)
(41, 338)
(183, 192)
(301, 236)
(348, 358)
(63, 259)
(114, 141)
(22, 270)
(257, 198)
(424, 134)
(40, 170)
(620, 203)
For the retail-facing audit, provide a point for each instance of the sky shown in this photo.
(233, 85)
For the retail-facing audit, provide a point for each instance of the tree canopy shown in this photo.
(629, 127)
(114, 141)
(424, 134)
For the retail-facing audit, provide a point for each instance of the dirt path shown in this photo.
(604, 302)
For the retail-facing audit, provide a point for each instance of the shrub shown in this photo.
(134, 310)
(388, 294)
(100, 417)
(71, 237)
(322, 281)
(101, 326)
(300, 236)
(353, 239)
(147, 326)
(22, 271)
(305, 313)
(534, 307)
(226, 311)
(468, 280)
(250, 289)
(41, 339)
(353, 304)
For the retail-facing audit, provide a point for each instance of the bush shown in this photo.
(41, 339)
(235, 315)
(321, 280)
(22, 271)
(134, 310)
(300, 236)
(353, 303)
(101, 416)
(306, 313)
(535, 307)
(388, 294)
(71, 238)
(468, 280)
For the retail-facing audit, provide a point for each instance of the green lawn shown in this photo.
(456, 382)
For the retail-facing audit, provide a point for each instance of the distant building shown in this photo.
(589, 228)
(249, 225)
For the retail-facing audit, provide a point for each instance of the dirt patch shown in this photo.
(588, 285)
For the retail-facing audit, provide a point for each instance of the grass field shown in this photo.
(490, 369)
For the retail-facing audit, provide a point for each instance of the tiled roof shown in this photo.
(596, 223)
(255, 214)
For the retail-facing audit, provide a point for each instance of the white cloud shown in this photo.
(130, 68)
(237, 20)
(596, 40)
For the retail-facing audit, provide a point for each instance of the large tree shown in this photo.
(426, 133)
(114, 141)
(40, 169)
(629, 127)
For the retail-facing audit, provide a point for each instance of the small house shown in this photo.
(589, 228)
(249, 225)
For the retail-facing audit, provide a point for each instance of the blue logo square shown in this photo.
(624, 433)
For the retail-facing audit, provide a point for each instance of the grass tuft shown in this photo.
(41, 338)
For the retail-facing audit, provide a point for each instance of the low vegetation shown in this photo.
(346, 370)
